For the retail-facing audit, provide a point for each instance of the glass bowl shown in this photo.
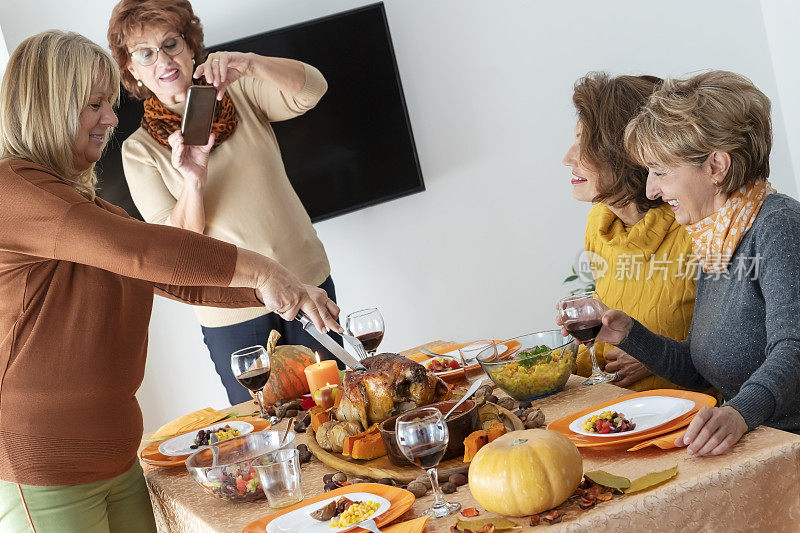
(233, 477)
(526, 375)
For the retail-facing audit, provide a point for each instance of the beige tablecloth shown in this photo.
(755, 487)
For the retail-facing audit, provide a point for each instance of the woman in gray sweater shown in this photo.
(706, 141)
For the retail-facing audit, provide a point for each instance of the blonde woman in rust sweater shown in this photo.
(77, 277)
(644, 252)
(235, 188)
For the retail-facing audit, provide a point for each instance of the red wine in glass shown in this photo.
(371, 340)
(581, 315)
(425, 456)
(254, 379)
(584, 331)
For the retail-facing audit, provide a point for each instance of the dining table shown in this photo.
(753, 487)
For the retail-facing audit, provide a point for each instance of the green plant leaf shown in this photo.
(652, 479)
(570, 278)
(601, 477)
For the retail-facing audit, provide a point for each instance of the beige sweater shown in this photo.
(248, 198)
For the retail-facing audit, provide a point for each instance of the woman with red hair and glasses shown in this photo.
(235, 187)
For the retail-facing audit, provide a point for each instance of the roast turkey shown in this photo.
(389, 384)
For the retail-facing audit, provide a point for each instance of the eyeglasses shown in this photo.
(171, 46)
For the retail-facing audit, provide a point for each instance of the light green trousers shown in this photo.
(118, 505)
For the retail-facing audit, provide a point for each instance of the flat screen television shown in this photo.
(354, 149)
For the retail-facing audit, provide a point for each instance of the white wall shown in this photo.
(780, 20)
(3, 53)
(483, 251)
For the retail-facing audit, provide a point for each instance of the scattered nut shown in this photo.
(387, 481)
(304, 457)
(417, 489)
(306, 418)
(302, 448)
(425, 480)
(492, 398)
(506, 402)
(339, 477)
(331, 486)
(525, 405)
(291, 413)
(532, 424)
(448, 488)
(299, 427)
(457, 479)
(327, 478)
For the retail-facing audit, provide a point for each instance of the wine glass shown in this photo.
(251, 368)
(422, 437)
(581, 315)
(367, 326)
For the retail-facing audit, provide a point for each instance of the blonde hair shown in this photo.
(46, 86)
(686, 120)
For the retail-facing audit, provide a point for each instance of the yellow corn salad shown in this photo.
(224, 434)
(522, 380)
(588, 424)
(355, 513)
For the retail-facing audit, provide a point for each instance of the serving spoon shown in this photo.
(470, 391)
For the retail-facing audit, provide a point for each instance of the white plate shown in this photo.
(300, 519)
(646, 412)
(180, 445)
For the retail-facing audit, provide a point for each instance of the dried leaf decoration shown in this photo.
(470, 512)
(500, 524)
(602, 477)
(652, 479)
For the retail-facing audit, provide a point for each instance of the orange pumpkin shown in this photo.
(286, 377)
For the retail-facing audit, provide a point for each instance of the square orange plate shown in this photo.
(401, 501)
(562, 424)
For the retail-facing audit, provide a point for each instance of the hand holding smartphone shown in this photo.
(198, 115)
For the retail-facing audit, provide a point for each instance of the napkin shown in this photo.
(188, 422)
(417, 525)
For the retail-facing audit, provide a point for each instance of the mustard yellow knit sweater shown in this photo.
(645, 276)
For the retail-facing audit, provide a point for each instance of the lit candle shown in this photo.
(321, 373)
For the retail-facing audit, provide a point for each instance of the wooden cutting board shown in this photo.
(382, 467)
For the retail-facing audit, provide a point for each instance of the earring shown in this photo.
(138, 83)
(192, 61)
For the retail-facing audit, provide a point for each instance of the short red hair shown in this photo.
(131, 17)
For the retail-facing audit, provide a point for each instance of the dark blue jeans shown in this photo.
(225, 340)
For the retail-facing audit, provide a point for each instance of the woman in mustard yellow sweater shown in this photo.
(644, 266)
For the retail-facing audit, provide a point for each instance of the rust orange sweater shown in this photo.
(77, 279)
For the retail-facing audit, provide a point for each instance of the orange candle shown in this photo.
(322, 373)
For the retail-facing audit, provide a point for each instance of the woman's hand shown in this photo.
(626, 367)
(713, 431)
(190, 161)
(223, 68)
(616, 326)
(283, 294)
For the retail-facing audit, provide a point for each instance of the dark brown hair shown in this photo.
(130, 17)
(605, 105)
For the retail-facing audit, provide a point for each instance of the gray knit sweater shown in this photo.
(745, 334)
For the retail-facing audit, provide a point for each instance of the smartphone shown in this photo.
(198, 115)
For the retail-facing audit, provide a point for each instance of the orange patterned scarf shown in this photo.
(160, 122)
(715, 238)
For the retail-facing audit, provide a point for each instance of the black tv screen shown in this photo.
(354, 149)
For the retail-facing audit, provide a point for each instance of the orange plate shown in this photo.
(152, 456)
(562, 424)
(458, 374)
(400, 501)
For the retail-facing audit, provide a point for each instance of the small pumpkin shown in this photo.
(525, 472)
(287, 379)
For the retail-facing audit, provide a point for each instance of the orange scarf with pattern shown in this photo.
(716, 237)
(160, 122)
